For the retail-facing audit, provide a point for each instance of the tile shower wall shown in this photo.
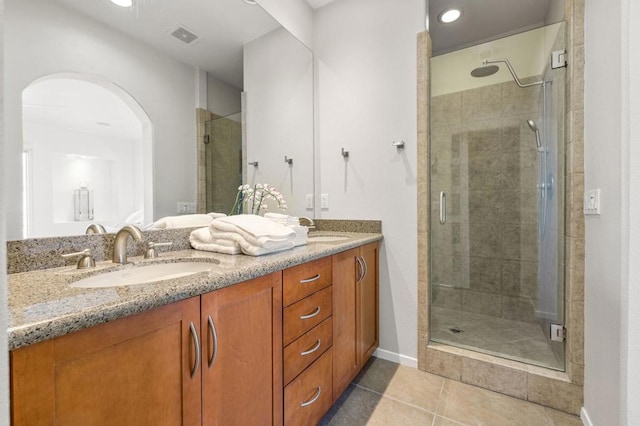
(483, 157)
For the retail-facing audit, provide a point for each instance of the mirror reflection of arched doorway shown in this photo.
(86, 156)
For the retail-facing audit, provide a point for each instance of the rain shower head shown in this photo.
(484, 71)
(532, 124)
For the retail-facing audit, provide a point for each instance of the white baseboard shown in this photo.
(586, 421)
(395, 357)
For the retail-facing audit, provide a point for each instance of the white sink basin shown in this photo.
(326, 238)
(143, 274)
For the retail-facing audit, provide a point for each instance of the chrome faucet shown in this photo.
(311, 223)
(120, 242)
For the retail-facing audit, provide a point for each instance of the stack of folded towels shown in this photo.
(293, 223)
(185, 221)
(249, 234)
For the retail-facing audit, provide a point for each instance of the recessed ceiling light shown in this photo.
(123, 3)
(447, 16)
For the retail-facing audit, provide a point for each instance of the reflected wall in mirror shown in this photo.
(144, 54)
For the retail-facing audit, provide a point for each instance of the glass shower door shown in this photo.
(497, 199)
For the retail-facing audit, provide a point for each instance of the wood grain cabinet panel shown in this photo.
(300, 281)
(302, 316)
(306, 349)
(135, 370)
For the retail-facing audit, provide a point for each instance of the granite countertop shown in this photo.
(42, 305)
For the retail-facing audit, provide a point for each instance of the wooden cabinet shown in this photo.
(355, 312)
(308, 391)
(139, 370)
(146, 370)
(242, 354)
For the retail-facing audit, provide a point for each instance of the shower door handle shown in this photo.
(443, 208)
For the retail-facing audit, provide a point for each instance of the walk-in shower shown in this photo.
(496, 244)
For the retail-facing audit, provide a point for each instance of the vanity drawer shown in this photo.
(302, 352)
(302, 280)
(306, 314)
(309, 396)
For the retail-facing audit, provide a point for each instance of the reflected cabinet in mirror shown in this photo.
(118, 115)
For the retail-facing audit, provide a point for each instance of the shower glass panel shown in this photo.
(497, 198)
(223, 162)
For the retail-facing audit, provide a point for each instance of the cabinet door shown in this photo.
(345, 340)
(368, 304)
(242, 353)
(133, 371)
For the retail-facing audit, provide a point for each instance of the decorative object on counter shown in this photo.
(253, 200)
(83, 198)
(251, 234)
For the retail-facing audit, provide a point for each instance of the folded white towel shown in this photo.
(283, 219)
(216, 215)
(256, 230)
(301, 235)
(249, 247)
(201, 239)
(183, 221)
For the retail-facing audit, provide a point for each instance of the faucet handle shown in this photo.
(151, 252)
(86, 260)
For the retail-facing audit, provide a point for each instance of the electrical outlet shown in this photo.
(324, 201)
(309, 202)
(186, 207)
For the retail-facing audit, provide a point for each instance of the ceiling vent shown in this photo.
(184, 35)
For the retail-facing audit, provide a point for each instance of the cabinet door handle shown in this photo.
(312, 350)
(196, 343)
(314, 399)
(312, 314)
(366, 267)
(309, 280)
(443, 208)
(360, 269)
(214, 336)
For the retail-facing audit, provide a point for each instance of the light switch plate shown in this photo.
(324, 201)
(309, 202)
(592, 202)
(186, 207)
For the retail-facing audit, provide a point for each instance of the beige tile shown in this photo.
(556, 394)
(483, 103)
(481, 303)
(495, 377)
(518, 308)
(442, 421)
(474, 406)
(444, 364)
(357, 407)
(402, 383)
(558, 418)
(575, 333)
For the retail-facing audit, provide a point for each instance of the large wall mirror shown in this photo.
(122, 115)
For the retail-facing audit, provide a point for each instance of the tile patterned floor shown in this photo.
(517, 340)
(386, 393)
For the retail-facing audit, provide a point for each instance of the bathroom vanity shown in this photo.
(268, 340)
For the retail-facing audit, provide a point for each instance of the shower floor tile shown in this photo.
(386, 393)
(520, 341)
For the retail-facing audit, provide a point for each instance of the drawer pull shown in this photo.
(194, 336)
(312, 350)
(311, 315)
(314, 399)
(310, 280)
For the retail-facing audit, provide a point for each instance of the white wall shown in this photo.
(42, 38)
(222, 99)
(278, 84)
(4, 354)
(295, 15)
(612, 161)
(366, 99)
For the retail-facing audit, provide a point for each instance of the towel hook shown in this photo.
(344, 153)
(398, 144)
(254, 163)
(289, 161)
